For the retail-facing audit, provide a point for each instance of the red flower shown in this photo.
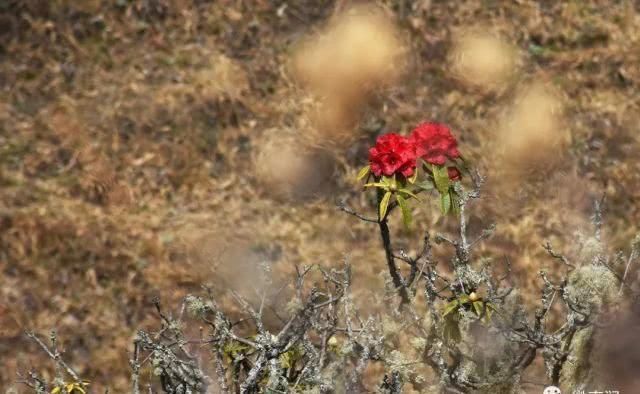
(454, 174)
(392, 154)
(434, 143)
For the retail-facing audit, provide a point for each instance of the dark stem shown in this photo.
(391, 263)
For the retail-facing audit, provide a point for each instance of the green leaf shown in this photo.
(490, 308)
(406, 212)
(285, 360)
(384, 204)
(464, 299)
(233, 348)
(451, 307)
(445, 203)
(289, 359)
(364, 171)
(441, 178)
(478, 306)
(409, 193)
(426, 185)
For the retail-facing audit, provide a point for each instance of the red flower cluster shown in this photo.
(434, 143)
(392, 154)
(395, 154)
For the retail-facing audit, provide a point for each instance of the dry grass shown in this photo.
(136, 139)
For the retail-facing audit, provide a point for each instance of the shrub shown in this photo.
(462, 319)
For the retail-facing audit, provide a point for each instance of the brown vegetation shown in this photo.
(133, 136)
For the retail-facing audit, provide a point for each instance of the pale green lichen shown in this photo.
(591, 249)
(577, 372)
(592, 286)
(390, 327)
(293, 306)
(347, 349)
(195, 306)
(398, 362)
(418, 343)
(589, 288)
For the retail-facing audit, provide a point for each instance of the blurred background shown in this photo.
(150, 146)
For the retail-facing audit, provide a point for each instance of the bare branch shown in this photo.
(54, 354)
(555, 255)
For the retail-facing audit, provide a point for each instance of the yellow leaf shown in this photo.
(384, 204)
(285, 360)
(452, 306)
(412, 179)
(376, 184)
(56, 390)
(479, 307)
(364, 171)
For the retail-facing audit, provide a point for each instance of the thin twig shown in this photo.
(344, 208)
(632, 256)
(555, 255)
(55, 355)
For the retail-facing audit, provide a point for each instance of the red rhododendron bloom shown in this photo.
(434, 143)
(392, 154)
(454, 174)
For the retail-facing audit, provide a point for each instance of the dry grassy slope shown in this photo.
(127, 133)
